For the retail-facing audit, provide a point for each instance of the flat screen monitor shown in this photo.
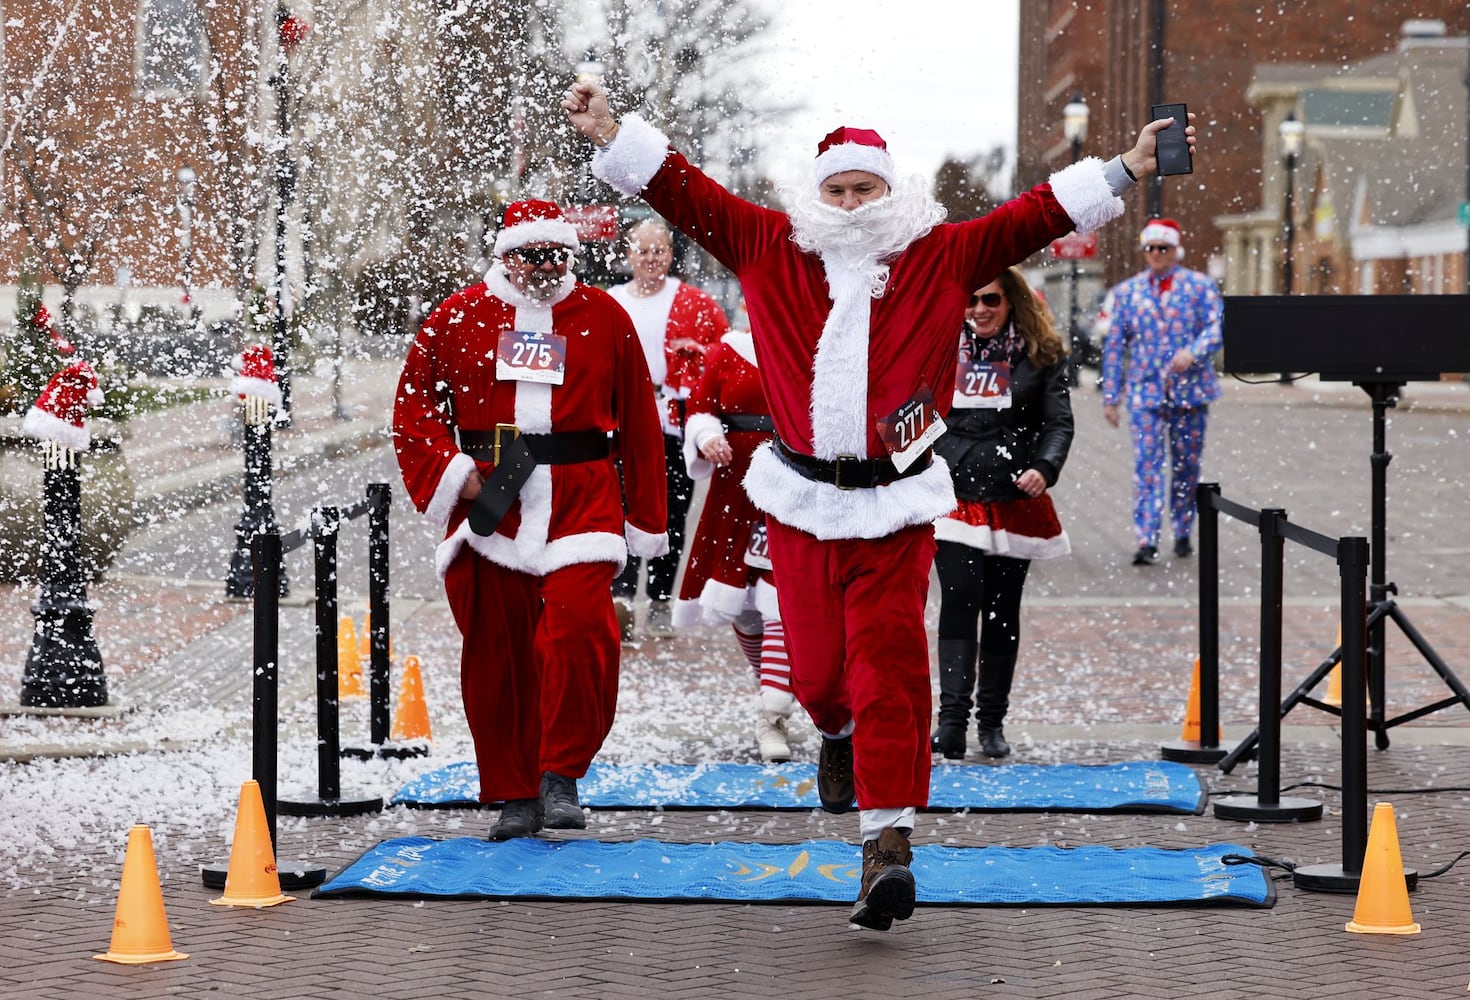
(1351, 338)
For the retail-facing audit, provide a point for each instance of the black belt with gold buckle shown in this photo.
(516, 456)
(848, 472)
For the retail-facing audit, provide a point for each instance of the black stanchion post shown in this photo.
(258, 515)
(379, 500)
(325, 525)
(1205, 750)
(1267, 805)
(266, 552)
(1352, 562)
(64, 667)
(328, 743)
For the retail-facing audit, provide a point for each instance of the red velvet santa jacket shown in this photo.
(565, 513)
(828, 390)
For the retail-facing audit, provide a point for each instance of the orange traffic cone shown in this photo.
(139, 926)
(1334, 679)
(1189, 732)
(252, 879)
(411, 713)
(349, 662)
(1383, 891)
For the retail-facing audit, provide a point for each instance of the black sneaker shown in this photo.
(1182, 548)
(1147, 555)
(518, 818)
(835, 785)
(559, 802)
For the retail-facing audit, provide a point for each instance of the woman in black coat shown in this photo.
(1009, 432)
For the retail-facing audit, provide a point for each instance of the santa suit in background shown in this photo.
(539, 664)
(728, 578)
(678, 314)
(845, 340)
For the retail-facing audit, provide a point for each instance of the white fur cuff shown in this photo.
(646, 545)
(446, 494)
(629, 162)
(1083, 192)
(699, 430)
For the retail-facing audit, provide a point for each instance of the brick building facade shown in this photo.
(1124, 55)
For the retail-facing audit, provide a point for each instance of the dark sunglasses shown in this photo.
(1157, 248)
(988, 299)
(536, 256)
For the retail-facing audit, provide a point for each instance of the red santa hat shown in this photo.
(1165, 231)
(854, 149)
(255, 369)
(60, 410)
(534, 221)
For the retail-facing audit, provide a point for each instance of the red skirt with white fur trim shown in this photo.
(1020, 529)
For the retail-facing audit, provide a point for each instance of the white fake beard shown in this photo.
(865, 236)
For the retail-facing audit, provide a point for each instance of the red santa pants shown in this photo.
(854, 615)
(538, 669)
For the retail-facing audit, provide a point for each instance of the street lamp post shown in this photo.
(187, 178)
(1074, 127)
(1291, 147)
(1290, 131)
(290, 31)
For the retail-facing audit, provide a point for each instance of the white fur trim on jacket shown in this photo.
(49, 427)
(823, 510)
(1002, 542)
(1084, 194)
(743, 344)
(536, 560)
(647, 545)
(766, 602)
(699, 430)
(446, 494)
(629, 162)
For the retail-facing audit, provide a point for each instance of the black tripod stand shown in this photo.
(1381, 609)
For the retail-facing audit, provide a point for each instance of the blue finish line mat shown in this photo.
(814, 871)
(1145, 786)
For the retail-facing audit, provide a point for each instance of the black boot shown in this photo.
(956, 685)
(992, 698)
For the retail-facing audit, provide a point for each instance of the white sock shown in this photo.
(874, 821)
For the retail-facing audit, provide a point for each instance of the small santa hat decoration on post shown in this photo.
(59, 413)
(255, 381)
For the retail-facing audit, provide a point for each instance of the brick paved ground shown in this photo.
(1109, 653)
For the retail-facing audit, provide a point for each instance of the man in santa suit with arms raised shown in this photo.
(502, 423)
(854, 297)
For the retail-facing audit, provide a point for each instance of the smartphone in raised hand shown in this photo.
(1172, 149)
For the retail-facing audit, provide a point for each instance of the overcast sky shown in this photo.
(935, 77)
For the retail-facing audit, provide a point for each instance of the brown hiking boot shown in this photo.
(887, 892)
(835, 785)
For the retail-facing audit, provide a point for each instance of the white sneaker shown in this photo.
(623, 608)
(660, 623)
(771, 732)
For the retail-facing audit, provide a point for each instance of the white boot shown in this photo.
(770, 727)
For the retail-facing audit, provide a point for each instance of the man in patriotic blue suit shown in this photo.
(1158, 356)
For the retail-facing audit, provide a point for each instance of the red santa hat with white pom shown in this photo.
(255, 374)
(60, 412)
(534, 221)
(847, 148)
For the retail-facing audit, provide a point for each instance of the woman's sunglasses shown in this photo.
(537, 256)
(987, 299)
